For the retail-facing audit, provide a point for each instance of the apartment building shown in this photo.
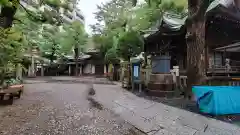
(70, 14)
(78, 15)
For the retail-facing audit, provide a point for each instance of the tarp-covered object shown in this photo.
(218, 100)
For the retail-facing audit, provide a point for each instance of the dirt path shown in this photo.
(59, 108)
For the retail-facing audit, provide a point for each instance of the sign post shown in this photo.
(136, 78)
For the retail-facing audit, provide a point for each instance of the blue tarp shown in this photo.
(218, 100)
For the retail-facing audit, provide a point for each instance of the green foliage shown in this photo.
(53, 3)
(11, 50)
(103, 43)
(130, 44)
(11, 81)
(59, 3)
(75, 35)
(112, 56)
(107, 44)
(48, 42)
(5, 3)
(50, 39)
(36, 29)
(145, 17)
(117, 31)
(67, 5)
(11, 46)
(119, 38)
(158, 3)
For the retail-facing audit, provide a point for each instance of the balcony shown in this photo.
(50, 8)
(80, 16)
(29, 5)
(31, 2)
(66, 19)
(68, 14)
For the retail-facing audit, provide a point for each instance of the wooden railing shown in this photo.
(224, 69)
(211, 81)
(214, 81)
(223, 81)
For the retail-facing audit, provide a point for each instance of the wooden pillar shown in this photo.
(19, 72)
(140, 87)
(31, 68)
(69, 70)
(176, 77)
(42, 70)
(93, 69)
(80, 72)
(105, 69)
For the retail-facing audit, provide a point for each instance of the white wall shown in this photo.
(87, 69)
(93, 69)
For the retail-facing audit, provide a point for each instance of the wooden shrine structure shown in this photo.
(222, 40)
(221, 50)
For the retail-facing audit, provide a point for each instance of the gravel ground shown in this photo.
(60, 109)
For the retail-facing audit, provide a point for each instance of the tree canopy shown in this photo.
(118, 30)
(30, 27)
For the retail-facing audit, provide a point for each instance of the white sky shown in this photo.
(88, 7)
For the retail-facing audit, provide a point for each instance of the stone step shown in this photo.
(160, 86)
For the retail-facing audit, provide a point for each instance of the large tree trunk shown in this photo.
(52, 56)
(195, 39)
(129, 73)
(7, 16)
(18, 71)
(6, 21)
(2, 77)
(76, 50)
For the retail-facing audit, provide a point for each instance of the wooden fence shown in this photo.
(182, 83)
(214, 81)
(223, 81)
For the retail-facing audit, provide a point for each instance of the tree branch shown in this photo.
(20, 21)
(29, 13)
(26, 10)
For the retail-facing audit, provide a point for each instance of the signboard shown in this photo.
(136, 71)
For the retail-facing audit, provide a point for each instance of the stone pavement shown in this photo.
(156, 118)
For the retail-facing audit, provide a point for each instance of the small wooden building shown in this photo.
(169, 39)
(222, 40)
(90, 63)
